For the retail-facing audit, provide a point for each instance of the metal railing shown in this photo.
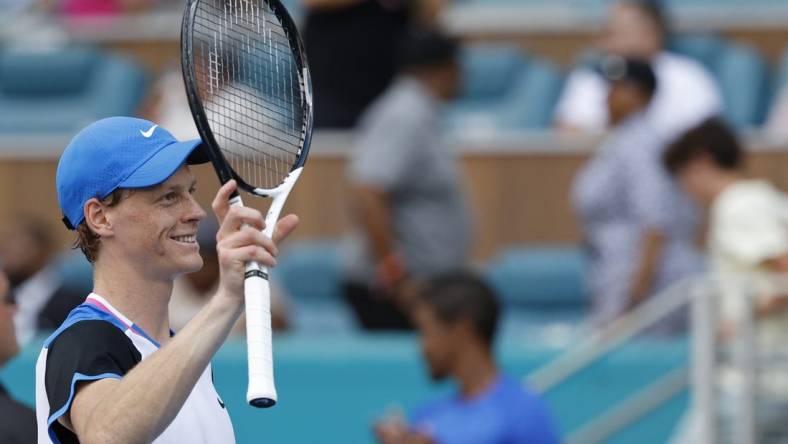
(605, 340)
(701, 294)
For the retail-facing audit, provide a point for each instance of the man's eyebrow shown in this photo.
(161, 187)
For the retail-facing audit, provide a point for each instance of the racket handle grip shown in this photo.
(261, 391)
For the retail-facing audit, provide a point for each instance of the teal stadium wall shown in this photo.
(332, 389)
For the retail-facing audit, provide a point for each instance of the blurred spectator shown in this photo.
(412, 218)
(168, 105)
(17, 421)
(99, 7)
(457, 317)
(638, 29)
(191, 291)
(777, 124)
(350, 46)
(16, 6)
(26, 249)
(638, 227)
(748, 235)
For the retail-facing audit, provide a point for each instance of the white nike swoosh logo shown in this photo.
(148, 133)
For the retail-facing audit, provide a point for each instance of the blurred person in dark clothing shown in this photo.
(639, 29)
(638, 227)
(351, 47)
(411, 220)
(457, 317)
(17, 421)
(26, 249)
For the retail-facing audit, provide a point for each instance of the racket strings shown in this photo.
(251, 88)
(247, 130)
(250, 46)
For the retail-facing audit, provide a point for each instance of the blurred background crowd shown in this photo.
(585, 158)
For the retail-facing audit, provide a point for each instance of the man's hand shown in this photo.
(393, 430)
(390, 271)
(771, 306)
(240, 240)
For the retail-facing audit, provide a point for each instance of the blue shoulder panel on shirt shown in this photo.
(84, 312)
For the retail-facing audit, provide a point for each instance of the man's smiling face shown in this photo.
(157, 227)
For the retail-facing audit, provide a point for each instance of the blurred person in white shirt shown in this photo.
(748, 218)
(167, 103)
(747, 238)
(638, 29)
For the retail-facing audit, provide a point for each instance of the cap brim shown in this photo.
(165, 163)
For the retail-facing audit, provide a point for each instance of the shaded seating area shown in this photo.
(541, 286)
(740, 71)
(63, 89)
(505, 88)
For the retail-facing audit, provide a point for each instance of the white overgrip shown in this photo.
(257, 294)
(261, 391)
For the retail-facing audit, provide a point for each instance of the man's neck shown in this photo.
(475, 372)
(143, 300)
(721, 183)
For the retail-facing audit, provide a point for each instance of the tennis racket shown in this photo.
(250, 94)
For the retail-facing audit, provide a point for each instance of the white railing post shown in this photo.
(745, 360)
(704, 315)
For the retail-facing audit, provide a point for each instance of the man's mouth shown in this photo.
(187, 239)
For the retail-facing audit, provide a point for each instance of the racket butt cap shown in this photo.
(262, 403)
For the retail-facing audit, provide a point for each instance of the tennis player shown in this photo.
(114, 372)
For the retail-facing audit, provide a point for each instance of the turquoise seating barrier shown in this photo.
(332, 388)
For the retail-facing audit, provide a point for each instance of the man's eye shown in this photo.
(169, 197)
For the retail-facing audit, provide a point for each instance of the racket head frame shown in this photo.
(210, 145)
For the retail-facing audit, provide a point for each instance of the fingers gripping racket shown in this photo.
(250, 94)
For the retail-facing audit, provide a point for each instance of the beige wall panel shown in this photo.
(516, 198)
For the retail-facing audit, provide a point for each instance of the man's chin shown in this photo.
(192, 266)
(438, 376)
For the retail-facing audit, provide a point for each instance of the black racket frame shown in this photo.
(210, 146)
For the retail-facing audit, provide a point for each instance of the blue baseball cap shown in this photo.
(118, 152)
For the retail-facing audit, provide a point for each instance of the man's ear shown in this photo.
(464, 329)
(96, 218)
